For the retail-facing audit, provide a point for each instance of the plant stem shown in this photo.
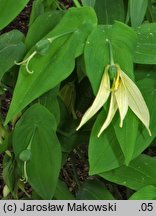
(76, 3)
(111, 52)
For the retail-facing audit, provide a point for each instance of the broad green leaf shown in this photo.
(94, 190)
(147, 87)
(97, 54)
(36, 131)
(124, 37)
(109, 10)
(9, 10)
(42, 25)
(104, 152)
(73, 19)
(139, 173)
(50, 101)
(137, 11)
(127, 134)
(146, 45)
(58, 63)
(62, 192)
(145, 193)
(12, 49)
(145, 71)
(88, 2)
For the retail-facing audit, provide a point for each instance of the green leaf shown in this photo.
(50, 101)
(147, 87)
(104, 152)
(9, 10)
(5, 140)
(51, 4)
(68, 96)
(145, 193)
(62, 192)
(9, 172)
(12, 49)
(95, 57)
(109, 10)
(36, 131)
(139, 173)
(125, 37)
(4, 145)
(146, 44)
(94, 190)
(137, 11)
(36, 11)
(97, 54)
(69, 138)
(90, 3)
(40, 7)
(58, 63)
(45, 23)
(152, 10)
(145, 71)
(126, 136)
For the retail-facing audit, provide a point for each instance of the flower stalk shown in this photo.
(26, 62)
(76, 3)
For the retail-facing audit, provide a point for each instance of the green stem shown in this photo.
(111, 52)
(76, 3)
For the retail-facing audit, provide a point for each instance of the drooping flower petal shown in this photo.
(122, 101)
(136, 101)
(111, 113)
(101, 98)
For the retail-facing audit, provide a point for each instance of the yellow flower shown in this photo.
(124, 94)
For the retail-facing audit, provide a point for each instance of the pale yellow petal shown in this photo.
(136, 101)
(111, 113)
(101, 98)
(122, 102)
